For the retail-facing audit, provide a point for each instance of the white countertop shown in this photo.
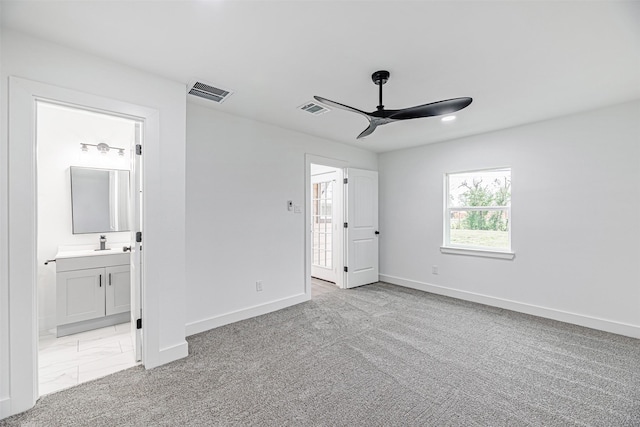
(67, 252)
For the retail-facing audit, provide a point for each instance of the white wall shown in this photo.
(240, 174)
(60, 131)
(164, 196)
(575, 227)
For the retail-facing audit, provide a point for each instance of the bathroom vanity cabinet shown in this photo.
(93, 290)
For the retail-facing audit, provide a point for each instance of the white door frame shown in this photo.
(22, 221)
(333, 176)
(340, 165)
(135, 263)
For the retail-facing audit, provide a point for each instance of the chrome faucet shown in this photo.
(103, 242)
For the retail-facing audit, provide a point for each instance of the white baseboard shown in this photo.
(246, 313)
(172, 353)
(166, 355)
(5, 408)
(549, 313)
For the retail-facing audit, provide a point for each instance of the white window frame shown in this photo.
(488, 252)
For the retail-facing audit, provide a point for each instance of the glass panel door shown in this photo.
(322, 220)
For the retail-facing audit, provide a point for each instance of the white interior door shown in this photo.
(136, 247)
(362, 227)
(323, 226)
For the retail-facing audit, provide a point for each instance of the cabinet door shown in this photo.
(118, 297)
(80, 295)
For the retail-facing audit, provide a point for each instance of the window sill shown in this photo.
(477, 252)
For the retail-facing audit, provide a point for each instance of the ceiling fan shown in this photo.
(382, 116)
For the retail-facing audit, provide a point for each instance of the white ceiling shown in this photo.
(521, 61)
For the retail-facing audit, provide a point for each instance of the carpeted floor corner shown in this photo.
(379, 355)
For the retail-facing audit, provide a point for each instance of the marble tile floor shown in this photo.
(68, 361)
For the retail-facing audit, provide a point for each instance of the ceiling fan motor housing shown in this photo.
(380, 77)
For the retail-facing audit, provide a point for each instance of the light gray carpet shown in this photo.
(379, 355)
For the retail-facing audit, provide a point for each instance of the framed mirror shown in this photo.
(99, 200)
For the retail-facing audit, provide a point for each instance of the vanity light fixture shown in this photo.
(102, 147)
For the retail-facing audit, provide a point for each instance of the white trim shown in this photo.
(446, 234)
(5, 408)
(169, 354)
(334, 163)
(22, 232)
(535, 310)
(479, 208)
(486, 169)
(22, 227)
(485, 253)
(198, 326)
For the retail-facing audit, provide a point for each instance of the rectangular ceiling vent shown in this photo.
(206, 91)
(314, 108)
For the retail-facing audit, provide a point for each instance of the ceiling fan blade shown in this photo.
(433, 109)
(338, 105)
(368, 131)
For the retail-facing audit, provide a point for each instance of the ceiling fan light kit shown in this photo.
(382, 117)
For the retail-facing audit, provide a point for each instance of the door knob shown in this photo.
(126, 248)
(377, 232)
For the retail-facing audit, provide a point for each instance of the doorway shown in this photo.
(324, 227)
(85, 215)
(325, 218)
(344, 255)
(21, 229)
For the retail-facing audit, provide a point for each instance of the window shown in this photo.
(478, 211)
(322, 220)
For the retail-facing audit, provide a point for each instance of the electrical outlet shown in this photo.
(259, 286)
(434, 269)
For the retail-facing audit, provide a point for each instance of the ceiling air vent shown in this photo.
(314, 108)
(207, 91)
